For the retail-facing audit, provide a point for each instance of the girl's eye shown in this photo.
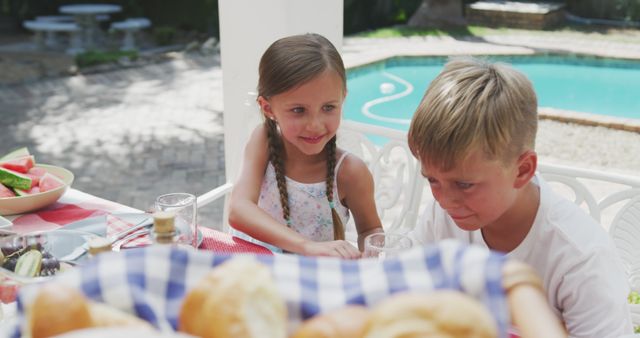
(328, 108)
(431, 181)
(464, 185)
(298, 110)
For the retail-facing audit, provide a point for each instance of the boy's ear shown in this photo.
(526, 168)
(265, 106)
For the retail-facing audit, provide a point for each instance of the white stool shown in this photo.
(50, 28)
(130, 27)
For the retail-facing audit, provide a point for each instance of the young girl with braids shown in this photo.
(296, 188)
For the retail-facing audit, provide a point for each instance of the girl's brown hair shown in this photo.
(286, 64)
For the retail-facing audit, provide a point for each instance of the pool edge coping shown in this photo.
(547, 113)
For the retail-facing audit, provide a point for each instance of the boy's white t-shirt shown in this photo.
(575, 257)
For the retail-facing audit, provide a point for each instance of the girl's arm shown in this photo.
(355, 185)
(245, 215)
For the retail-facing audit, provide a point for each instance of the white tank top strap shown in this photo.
(342, 157)
(335, 178)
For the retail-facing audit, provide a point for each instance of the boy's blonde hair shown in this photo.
(473, 104)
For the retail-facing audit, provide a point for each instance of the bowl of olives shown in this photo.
(34, 257)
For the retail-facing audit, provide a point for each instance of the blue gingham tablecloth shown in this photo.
(151, 282)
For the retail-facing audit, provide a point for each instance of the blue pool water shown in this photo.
(387, 93)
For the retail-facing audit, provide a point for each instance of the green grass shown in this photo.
(93, 58)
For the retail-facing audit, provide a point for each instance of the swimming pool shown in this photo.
(387, 93)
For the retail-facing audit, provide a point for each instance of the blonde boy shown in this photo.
(474, 133)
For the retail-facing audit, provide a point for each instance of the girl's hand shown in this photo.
(342, 249)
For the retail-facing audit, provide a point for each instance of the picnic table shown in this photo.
(86, 16)
(76, 205)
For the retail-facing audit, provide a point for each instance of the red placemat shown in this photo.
(212, 240)
(221, 242)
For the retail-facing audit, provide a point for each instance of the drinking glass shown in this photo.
(184, 206)
(383, 245)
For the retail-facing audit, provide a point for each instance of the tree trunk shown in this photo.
(438, 13)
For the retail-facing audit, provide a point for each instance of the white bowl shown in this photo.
(22, 204)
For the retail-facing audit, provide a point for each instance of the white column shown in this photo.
(247, 28)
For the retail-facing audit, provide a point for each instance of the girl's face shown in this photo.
(308, 115)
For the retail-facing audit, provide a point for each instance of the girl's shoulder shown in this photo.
(259, 133)
(258, 138)
(350, 165)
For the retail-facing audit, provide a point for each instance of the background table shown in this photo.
(86, 17)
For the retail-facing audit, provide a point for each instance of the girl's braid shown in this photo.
(338, 227)
(275, 151)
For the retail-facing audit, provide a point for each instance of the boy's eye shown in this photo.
(298, 110)
(464, 185)
(328, 107)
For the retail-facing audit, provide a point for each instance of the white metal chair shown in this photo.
(625, 231)
(399, 185)
(614, 201)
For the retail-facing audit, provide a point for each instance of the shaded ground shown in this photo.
(127, 135)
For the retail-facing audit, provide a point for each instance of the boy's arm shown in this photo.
(355, 183)
(593, 297)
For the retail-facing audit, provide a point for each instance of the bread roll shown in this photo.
(346, 322)
(442, 314)
(103, 315)
(236, 299)
(58, 309)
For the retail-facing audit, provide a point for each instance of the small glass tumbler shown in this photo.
(184, 206)
(383, 245)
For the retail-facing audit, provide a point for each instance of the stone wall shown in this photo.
(516, 15)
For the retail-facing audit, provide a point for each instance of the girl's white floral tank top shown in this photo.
(309, 208)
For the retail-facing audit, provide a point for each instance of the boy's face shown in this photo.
(477, 191)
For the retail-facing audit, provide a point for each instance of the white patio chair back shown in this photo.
(625, 231)
(399, 185)
(613, 200)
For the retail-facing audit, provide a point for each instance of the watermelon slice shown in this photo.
(5, 192)
(16, 153)
(35, 180)
(33, 190)
(20, 164)
(14, 179)
(37, 171)
(49, 182)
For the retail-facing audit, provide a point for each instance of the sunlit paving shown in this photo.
(337, 168)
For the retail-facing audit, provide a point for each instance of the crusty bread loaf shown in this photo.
(103, 315)
(58, 309)
(236, 299)
(346, 322)
(442, 314)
